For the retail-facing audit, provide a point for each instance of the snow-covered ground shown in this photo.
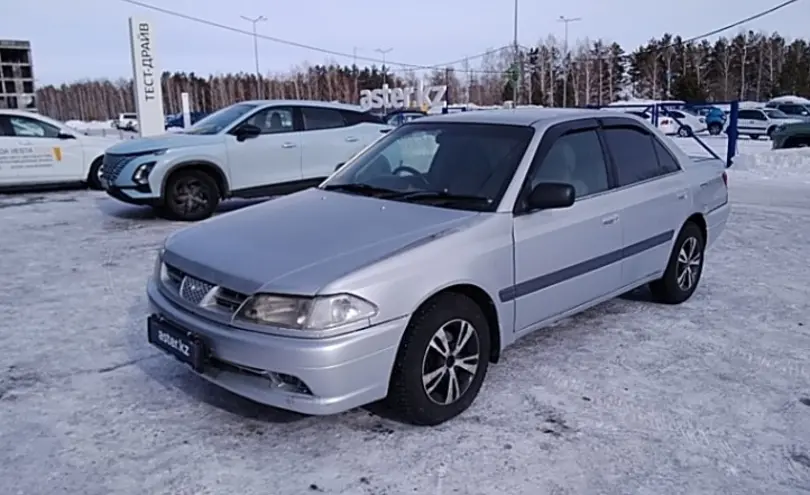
(709, 397)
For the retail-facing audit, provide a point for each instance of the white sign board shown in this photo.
(420, 97)
(186, 110)
(146, 73)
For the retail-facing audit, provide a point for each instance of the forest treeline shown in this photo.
(749, 66)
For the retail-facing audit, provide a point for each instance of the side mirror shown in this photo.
(551, 195)
(339, 166)
(247, 131)
(65, 135)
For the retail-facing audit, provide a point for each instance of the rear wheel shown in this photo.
(94, 175)
(684, 268)
(441, 362)
(715, 129)
(685, 131)
(190, 195)
(754, 136)
(770, 131)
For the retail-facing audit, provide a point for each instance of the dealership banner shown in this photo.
(146, 74)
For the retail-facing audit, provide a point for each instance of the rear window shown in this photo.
(130, 116)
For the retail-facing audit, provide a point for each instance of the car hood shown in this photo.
(163, 141)
(299, 243)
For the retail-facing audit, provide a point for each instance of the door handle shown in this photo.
(682, 195)
(351, 139)
(610, 220)
(288, 145)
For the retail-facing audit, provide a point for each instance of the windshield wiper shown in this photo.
(360, 188)
(442, 196)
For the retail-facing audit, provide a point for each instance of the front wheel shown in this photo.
(684, 268)
(190, 195)
(441, 362)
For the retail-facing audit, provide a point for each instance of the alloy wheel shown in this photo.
(190, 196)
(450, 362)
(688, 264)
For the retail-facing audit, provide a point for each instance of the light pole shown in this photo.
(356, 70)
(566, 21)
(383, 52)
(516, 61)
(254, 21)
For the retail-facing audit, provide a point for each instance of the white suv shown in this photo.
(249, 149)
(36, 151)
(756, 122)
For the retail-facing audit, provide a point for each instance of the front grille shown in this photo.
(113, 165)
(194, 290)
(200, 292)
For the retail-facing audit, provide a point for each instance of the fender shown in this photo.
(219, 175)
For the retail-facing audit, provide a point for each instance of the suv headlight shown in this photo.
(305, 313)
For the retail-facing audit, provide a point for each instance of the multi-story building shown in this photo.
(16, 75)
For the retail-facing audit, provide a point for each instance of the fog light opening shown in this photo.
(289, 383)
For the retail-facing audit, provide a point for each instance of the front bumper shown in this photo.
(339, 373)
(132, 195)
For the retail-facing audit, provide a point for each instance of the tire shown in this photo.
(408, 398)
(669, 289)
(715, 129)
(685, 131)
(754, 136)
(93, 179)
(190, 195)
(770, 131)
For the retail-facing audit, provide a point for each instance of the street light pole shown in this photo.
(254, 21)
(566, 21)
(384, 52)
(516, 61)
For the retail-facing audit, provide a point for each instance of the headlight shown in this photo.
(141, 174)
(306, 313)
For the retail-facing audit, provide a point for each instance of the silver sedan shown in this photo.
(411, 269)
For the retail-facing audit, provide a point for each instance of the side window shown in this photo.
(274, 120)
(5, 127)
(321, 118)
(633, 152)
(576, 159)
(677, 115)
(666, 161)
(353, 118)
(25, 127)
(758, 115)
(746, 114)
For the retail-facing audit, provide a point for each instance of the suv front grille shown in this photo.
(113, 165)
(199, 292)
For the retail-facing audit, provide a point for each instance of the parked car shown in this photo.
(250, 149)
(680, 122)
(126, 122)
(793, 109)
(715, 118)
(176, 120)
(399, 117)
(758, 122)
(411, 269)
(791, 135)
(37, 151)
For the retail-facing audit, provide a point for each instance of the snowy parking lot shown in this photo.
(710, 397)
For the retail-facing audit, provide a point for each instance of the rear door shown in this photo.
(568, 257)
(327, 140)
(273, 157)
(654, 195)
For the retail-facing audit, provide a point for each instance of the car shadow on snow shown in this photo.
(122, 211)
(172, 374)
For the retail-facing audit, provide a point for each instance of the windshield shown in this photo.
(776, 114)
(472, 164)
(221, 119)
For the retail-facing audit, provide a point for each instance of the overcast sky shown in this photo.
(79, 39)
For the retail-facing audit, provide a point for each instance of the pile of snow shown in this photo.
(792, 165)
(88, 126)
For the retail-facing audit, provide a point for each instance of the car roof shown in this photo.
(308, 103)
(529, 117)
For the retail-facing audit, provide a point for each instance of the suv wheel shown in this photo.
(684, 269)
(441, 362)
(685, 131)
(190, 195)
(715, 129)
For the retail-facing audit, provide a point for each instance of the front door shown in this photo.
(37, 154)
(273, 157)
(569, 257)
